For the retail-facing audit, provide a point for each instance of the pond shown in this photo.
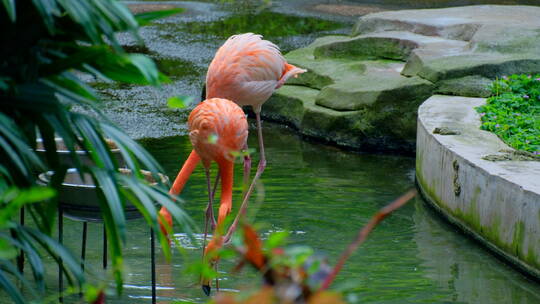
(323, 195)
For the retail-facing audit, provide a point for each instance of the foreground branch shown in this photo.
(366, 230)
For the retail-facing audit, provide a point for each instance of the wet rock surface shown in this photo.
(395, 60)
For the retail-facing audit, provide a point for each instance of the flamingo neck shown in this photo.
(226, 169)
(189, 165)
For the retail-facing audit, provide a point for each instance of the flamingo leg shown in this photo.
(247, 172)
(214, 189)
(260, 170)
(209, 215)
(262, 160)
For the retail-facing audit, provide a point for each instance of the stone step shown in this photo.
(460, 23)
(381, 84)
(488, 65)
(394, 45)
(322, 71)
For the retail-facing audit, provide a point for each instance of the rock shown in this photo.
(380, 85)
(477, 43)
(370, 84)
(395, 45)
(470, 86)
(376, 131)
(287, 105)
(325, 71)
(459, 23)
(489, 65)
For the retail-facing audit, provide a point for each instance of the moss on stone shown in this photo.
(471, 86)
(517, 239)
(367, 48)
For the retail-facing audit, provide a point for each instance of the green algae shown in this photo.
(178, 69)
(267, 23)
(366, 48)
(517, 239)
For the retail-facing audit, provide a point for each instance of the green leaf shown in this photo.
(213, 138)
(7, 251)
(180, 101)
(9, 5)
(48, 9)
(70, 265)
(11, 289)
(147, 17)
(147, 68)
(276, 239)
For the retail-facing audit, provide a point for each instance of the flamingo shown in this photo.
(247, 70)
(224, 120)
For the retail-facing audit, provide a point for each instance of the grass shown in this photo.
(513, 112)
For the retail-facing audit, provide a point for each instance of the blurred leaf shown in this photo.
(202, 269)
(147, 17)
(180, 102)
(70, 265)
(9, 5)
(11, 289)
(254, 253)
(276, 239)
(7, 251)
(48, 10)
(213, 138)
(326, 297)
(13, 199)
(298, 254)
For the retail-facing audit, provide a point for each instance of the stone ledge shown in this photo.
(498, 203)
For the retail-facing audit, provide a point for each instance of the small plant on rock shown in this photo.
(513, 112)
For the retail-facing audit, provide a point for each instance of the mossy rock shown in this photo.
(322, 72)
(483, 64)
(470, 86)
(364, 90)
(367, 48)
(376, 88)
(383, 129)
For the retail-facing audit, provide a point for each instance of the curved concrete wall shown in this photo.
(497, 202)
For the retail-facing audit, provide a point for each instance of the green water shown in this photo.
(323, 196)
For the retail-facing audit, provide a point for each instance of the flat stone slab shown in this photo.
(381, 84)
(394, 60)
(497, 202)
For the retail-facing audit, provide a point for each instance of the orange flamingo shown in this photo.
(225, 121)
(247, 70)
